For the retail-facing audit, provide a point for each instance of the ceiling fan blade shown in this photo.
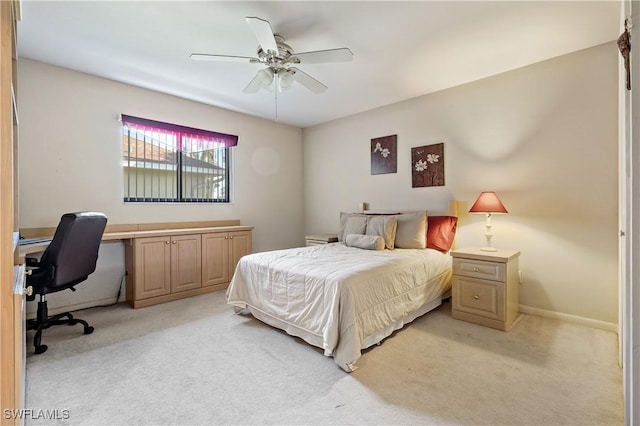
(221, 58)
(255, 85)
(307, 81)
(263, 32)
(343, 54)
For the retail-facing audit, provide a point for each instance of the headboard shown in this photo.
(453, 210)
(444, 234)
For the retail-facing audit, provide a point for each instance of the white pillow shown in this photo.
(367, 242)
(411, 231)
(383, 226)
(351, 223)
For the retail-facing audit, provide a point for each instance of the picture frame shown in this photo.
(384, 155)
(427, 165)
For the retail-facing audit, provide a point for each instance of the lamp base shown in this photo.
(488, 249)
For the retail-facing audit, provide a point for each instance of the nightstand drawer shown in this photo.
(479, 269)
(482, 298)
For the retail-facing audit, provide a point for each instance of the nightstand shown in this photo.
(317, 239)
(485, 287)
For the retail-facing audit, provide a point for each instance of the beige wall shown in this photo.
(544, 137)
(70, 156)
(70, 160)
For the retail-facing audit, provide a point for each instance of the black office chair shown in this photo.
(68, 260)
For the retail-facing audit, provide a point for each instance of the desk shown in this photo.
(29, 249)
(172, 262)
(25, 249)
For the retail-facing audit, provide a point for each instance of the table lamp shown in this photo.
(488, 202)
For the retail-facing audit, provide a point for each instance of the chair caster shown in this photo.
(40, 349)
(88, 330)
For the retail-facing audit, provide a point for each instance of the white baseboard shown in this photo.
(588, 322)
(76, 307)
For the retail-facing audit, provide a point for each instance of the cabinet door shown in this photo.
(152, 267)
(240, 245)
(479, 297)
(215, 259)
(186, 261)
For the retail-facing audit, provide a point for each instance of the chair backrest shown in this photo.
(74, 248)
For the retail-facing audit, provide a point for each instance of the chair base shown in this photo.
(44, 321)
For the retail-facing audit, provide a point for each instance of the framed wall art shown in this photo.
(427, 165)
(384, 155)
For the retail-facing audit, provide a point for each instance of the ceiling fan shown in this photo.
(279, 58)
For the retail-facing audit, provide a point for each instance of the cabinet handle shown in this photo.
(28, 291)
(231, 238)
(166, 242)
(475, 296)
(173, 242)
(475, 269)
(226, 238)
(28, 272)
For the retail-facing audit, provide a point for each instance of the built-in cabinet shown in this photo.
(169, 267)
(186, 261)
(239, 245)
(165, 265)
(215, 255)
(221, 252)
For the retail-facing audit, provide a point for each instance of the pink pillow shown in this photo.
(441, 231)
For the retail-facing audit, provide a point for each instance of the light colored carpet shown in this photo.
(194, 362)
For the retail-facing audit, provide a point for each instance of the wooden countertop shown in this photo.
(113, 236)
(128, 235)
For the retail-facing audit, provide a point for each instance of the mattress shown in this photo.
(341, 299)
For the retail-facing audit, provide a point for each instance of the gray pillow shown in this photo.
(411, 231)
(367, 242)
(383, 226)
(351, 223)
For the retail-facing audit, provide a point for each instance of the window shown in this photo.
(165, 162)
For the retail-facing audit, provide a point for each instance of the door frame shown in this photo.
(629, 192)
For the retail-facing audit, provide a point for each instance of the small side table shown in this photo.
(485, 287)
(317, 239)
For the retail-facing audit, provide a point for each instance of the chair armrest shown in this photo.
(32, 261)
(40, 276)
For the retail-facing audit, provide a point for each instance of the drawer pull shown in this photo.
(475, 269)
(475, 296)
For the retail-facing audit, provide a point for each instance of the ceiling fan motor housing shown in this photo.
(281, 59)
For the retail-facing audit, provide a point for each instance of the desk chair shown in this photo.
(68, 260)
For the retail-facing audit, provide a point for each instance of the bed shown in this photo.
(345, 297)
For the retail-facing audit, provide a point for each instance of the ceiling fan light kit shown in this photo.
(278, 58)
(265, 76)
(286, 78)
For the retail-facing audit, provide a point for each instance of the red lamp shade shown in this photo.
(488, 202)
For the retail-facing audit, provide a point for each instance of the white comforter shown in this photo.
(342, 299)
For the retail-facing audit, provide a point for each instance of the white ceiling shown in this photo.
(401, 49)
